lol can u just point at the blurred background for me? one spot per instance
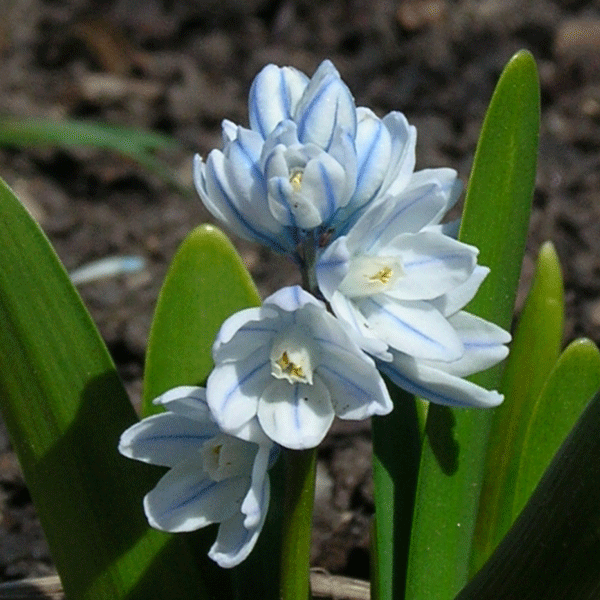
(179, 67)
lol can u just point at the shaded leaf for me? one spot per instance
(552, 551)
(65, 408)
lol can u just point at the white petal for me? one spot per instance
(384, 221)
(483, 342)
(292, 298)
(247, 182)
(373, 149)
(185, 499)
(450, 187)
(229, 131)
(235, 541)
(436, 385)
(356, 387)
(218, 197)
(332, 266)
(274, 94)
(364, 335)
(324, 187)
(343, 151)
(402, 157)
(455, 299)
(244, 332)
(253, 505)
(188, 401)
(415, 328)
(296, 416)
(325, 104)
(165, 439)
(433, 264)
(233, 389)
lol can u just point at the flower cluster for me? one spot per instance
(334, 187)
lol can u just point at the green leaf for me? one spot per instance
(396, 453)
(65, 408)
(206, 283)
(534, 352)
(135, 144)
(495, 219)
(573, 381)
(552, 551)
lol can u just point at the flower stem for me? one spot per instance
(309, 280)
(297, 524)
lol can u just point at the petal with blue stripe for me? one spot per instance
(296, 416)
(273, 97)
(186, 499)
(415, 327)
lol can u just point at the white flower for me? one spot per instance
(213, 477)
(290, 366)
(398, 279)
(310, 160)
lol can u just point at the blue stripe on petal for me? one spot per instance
(347, 381)
(255, 233)
(404, 324)
(412, 387)
(434, 259)
(362, 169)
(241, 382)
(329, 195)
(284, 95)
(257, 174)
(194, 493)
(310, 107)
(297, 408)
(385, 223)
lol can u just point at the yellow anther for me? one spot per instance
(384, 275)
(296, 180)
(217, 449)
(287, 366)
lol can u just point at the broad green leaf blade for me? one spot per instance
(495, 219)
(65, 408)
(552, 551)
(135, 144)
(206, 283)
(534, 352)
(396, 453)
(574, 379)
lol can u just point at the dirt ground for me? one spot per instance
(181, 66)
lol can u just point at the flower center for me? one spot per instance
(370, 275)
(383, 275)
(224, 456)
(291, 357)
(296, 179)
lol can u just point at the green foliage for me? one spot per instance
(206, 283)
(396, 452)
(65, 408)
(534, 351)
(495, 219)
(552, 551)
(139, 146)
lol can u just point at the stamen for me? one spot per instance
(384, 275)
(287, 366)
(296, 179)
